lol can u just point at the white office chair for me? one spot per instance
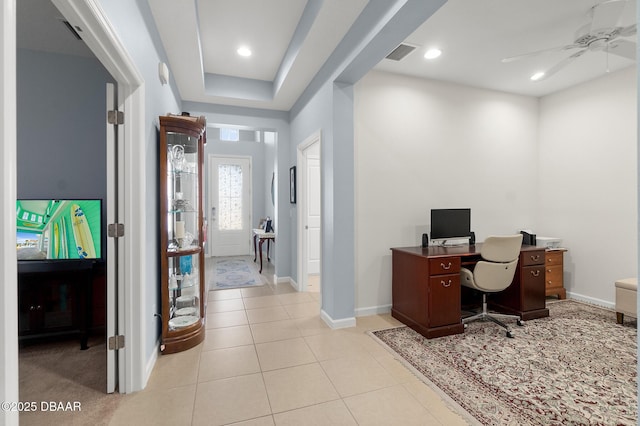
(493, 274)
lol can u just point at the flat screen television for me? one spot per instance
(58, 229)
(450, 224)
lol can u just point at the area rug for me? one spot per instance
(575, 367)
(234, 273)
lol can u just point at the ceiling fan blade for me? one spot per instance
(607, 14)
(563, 63)
(624, 48)
(628, 31)
(539, 52)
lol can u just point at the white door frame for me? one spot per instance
(8, 192)
(303, 202)
(210, 178)
(101, 38)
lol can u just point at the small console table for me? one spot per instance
(426, 288)
(259, 237)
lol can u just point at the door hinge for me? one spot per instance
(116, 342)
(115, 117)
(115, 230)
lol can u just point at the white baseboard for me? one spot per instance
(373, 310)
(592, 300)
(286, 280)
(336, 324)
(151, 362)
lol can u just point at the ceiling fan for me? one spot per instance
(601, 34)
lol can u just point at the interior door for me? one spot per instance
(229, 206)
(313, 215)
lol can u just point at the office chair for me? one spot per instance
(493, 274)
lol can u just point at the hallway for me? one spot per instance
(269, 359)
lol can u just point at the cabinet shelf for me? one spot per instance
(184, 252)
(181, 156)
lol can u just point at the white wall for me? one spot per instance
(588, 180)
(564, 166)
(423, 144)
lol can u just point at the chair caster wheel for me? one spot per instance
(509, 335)
(520, 323)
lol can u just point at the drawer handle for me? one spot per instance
(549, 270)
(535, 258)
(445, 284)
(442, 265)
(535, 273)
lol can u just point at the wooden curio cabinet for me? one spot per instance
(182, 285)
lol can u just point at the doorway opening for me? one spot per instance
(67, 297)
(310, 214)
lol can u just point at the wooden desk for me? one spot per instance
(426, 287)
(261, 236)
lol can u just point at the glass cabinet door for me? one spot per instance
(181, 232)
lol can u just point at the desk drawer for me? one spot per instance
(533, 257)
(444, 265)
(533, 287)
(444, 300)
(553, 258)
(553, 276)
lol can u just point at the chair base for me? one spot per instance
(495, 318)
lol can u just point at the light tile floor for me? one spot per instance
(268, 359)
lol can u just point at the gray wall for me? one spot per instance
(331, 111)
(133, 23)
(61, 127)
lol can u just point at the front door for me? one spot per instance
(229, 206)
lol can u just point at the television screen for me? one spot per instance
(450, 223)
(58, 229)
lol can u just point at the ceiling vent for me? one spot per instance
(400, 52)
(73, 30)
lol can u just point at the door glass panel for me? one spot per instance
(230, 197)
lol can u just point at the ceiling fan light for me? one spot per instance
(432, 53)
(537, 76)
(244, 51)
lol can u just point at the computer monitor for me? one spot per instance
(450, 224)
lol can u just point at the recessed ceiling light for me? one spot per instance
(537, 76)
(432, 53)
(244, 51)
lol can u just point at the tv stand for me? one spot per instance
(55, 298)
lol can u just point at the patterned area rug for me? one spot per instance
(234, 273)
(575, 367)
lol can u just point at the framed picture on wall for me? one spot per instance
(292, 185)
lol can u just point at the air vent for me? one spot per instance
(73, 30)
(400, 52)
